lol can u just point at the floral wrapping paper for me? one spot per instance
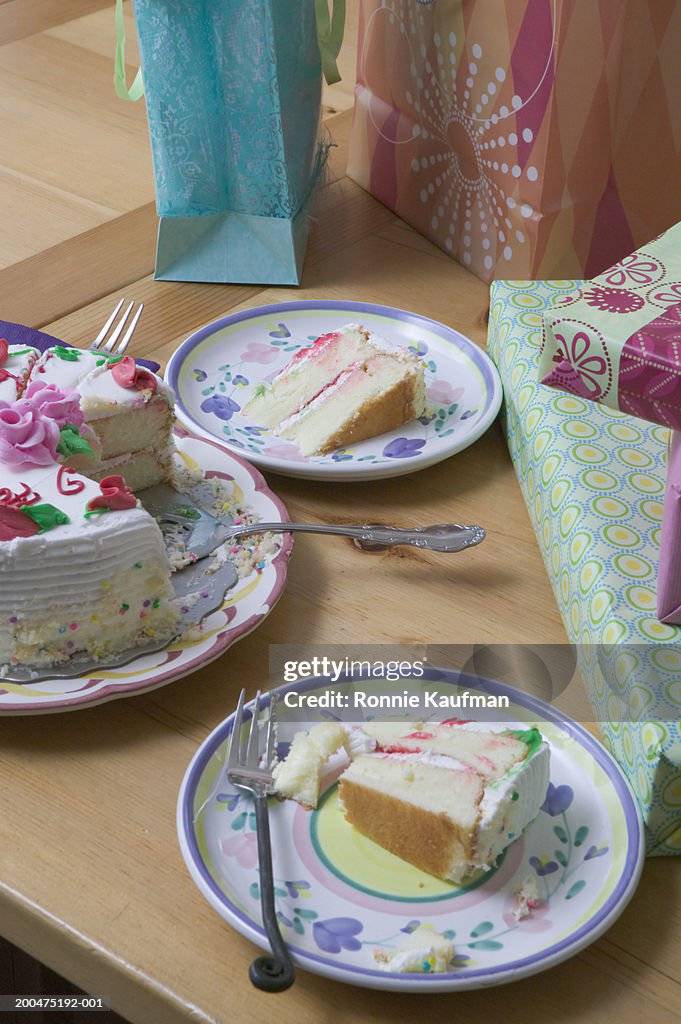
(593, 480)
(508, 134)
(617, 339)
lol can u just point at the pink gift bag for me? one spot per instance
(528, 139)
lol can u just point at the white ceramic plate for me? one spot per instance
(245, 606)
(215, 371)
(340, 897)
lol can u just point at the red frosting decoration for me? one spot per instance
(116, 495)
(69, 486)
(128, 374)
(14, 523)
(4, 351)
(25, 497)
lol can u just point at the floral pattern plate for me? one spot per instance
(244, 608)
(216, 370)
(341, 898)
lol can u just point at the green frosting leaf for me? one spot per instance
(114, 359)
(531, 737)
(70, 355)
(46, 516)
(259, 391)
(71, 443)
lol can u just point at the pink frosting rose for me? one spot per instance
(59, 404)
(26, 436)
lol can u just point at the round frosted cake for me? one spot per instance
(83, 568)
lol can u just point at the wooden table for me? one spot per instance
(91, 878)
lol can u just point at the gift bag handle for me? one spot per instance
(330, 29)
(120, 85)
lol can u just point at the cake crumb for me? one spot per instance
(527, 895)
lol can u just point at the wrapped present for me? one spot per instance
(617, 339)
(593, 480)
(508, 134)
(669, 576)
(233, 94)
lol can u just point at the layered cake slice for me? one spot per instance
(448, 797)
(348, 386)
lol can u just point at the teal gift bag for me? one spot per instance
(233, 94)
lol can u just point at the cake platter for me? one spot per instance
(341, 899)
(216, 370)
(245, 606)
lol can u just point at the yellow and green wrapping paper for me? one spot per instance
(593, 479)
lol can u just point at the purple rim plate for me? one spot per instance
(340, 898)
(245, 607)
(217, 369)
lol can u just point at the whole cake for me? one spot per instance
(347, 386)
(83, 568)
(448, 797)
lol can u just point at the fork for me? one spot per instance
(447, 537)
(247, 772)
(109, 345)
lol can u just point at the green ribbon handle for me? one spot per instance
(330, 30)
(120, 85)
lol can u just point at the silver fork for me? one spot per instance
(247, 771)
(109, 344)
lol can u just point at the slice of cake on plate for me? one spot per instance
(448, 797)
(348, 386)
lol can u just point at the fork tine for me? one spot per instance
(269, 739)
(128, 334)
(251, 760)
(235, 739)
(102, 334)
(116, 334)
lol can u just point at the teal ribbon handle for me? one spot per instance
(120, 85)
(330, 30)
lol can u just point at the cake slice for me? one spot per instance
(348, 386)
(448, 797)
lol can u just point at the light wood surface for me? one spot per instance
(91, 879)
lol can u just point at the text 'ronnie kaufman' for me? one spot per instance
(372, 701)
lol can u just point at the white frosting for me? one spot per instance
(91, 375)
(99, 583)
(20, 359)
(505, 815)
(427, 757)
